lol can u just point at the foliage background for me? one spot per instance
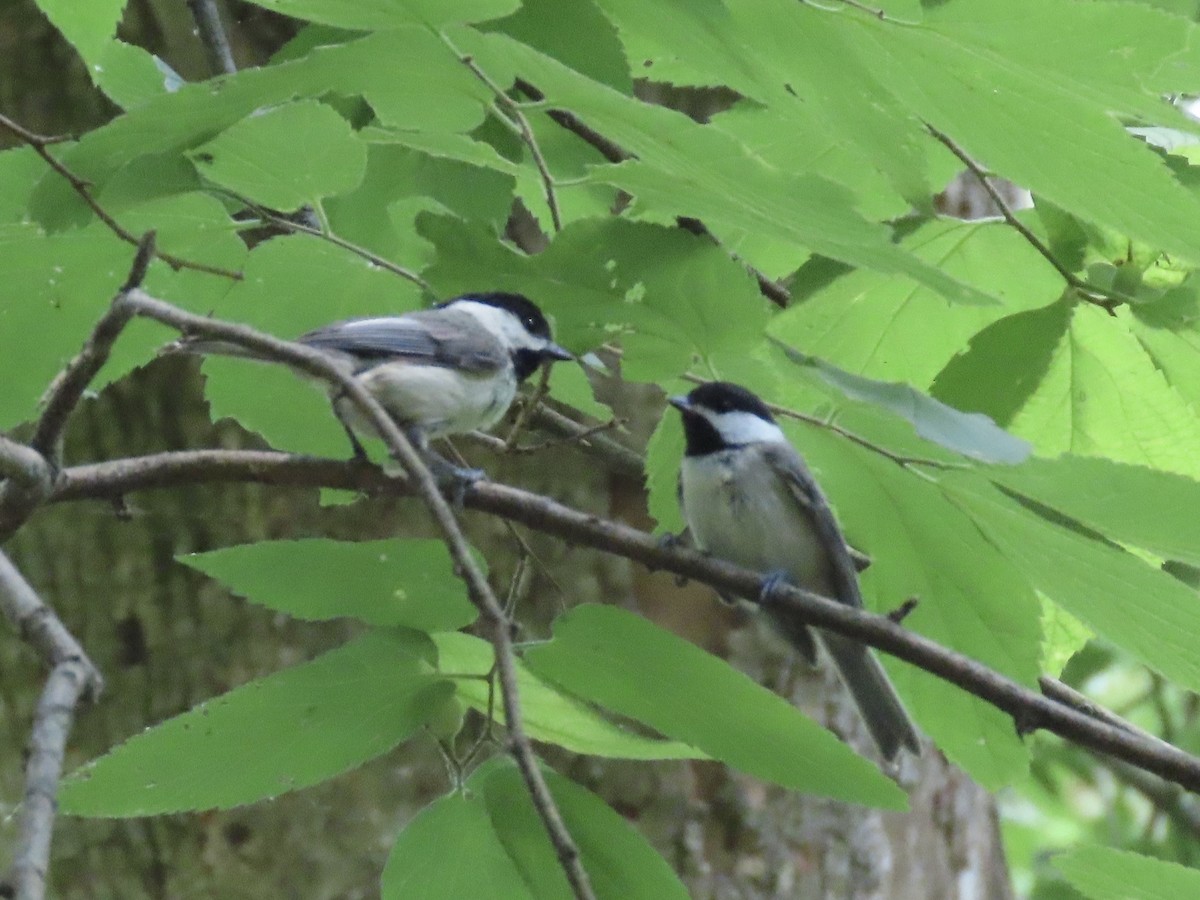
(814, 164)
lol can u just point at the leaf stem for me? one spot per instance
(1085, 291)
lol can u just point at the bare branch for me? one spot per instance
(321, 365)
(41, 143)
(23, 465)
(616, 455)
(68, 387)
(772, 290)
(72, 677)
(212, 35)
(302, 228)
(1029, 709)
(514, 115)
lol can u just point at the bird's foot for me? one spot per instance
(769, 582)
(454, 480)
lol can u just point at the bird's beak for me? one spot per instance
(681, 403)
(553, 351)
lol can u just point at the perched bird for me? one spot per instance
(437, 372)
(748, 497)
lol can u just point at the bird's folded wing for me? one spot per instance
(791, 468)
(446, 341)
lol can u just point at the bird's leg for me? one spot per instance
(360, 452)
(769, 582)
(451, 478)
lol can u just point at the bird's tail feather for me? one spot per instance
(881, 708)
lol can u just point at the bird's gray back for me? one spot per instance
(445, 338)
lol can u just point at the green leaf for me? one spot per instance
(1130, 504)
(388, 582)
(289, 412)
(899, 330)
(1102, 873)
(618, 860)
(88, 27)
(1102, 395)
(1168, 331)
(20, 168)
(632, 667)
(54, 288)
(287, 731)
(971, 434)
(1118, 596)
(131, 76)
(663, 453)
(549, 714)
(295, 283)
(555, 26)
(1005, 363)
(960, 72)
(1063, 636)
(688, 169)
(261, 158)
(456, 829)
(391, 13)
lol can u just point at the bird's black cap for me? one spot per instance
(519, 305)
(724, 397)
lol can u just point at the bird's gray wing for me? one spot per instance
(881, 708)
(787, 463)
(428, 337)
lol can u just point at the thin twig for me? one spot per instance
(1029, 708)
(1088, 292)
(616, 456)
(585, 433)
(212, 35)
(375, 259)
(770, 289)
(510, 109)
(67, 389)
(874, 12)
(609, 149)
(321, 365)
(1179, 806)
(41, 143)
(528, 405)
(72, 677)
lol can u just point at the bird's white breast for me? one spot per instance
(739, 509)
(440, 400)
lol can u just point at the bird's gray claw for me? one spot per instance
(454, 481)
(669, 541)
(770, 581)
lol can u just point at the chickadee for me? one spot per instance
(748, 497)
(437, 372)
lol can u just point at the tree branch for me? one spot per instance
(41, 143)
(212, 35)
(72, 677)
(514, 115)
(1029, 709)
(68, 387)
(324, 367)
(295, 227)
